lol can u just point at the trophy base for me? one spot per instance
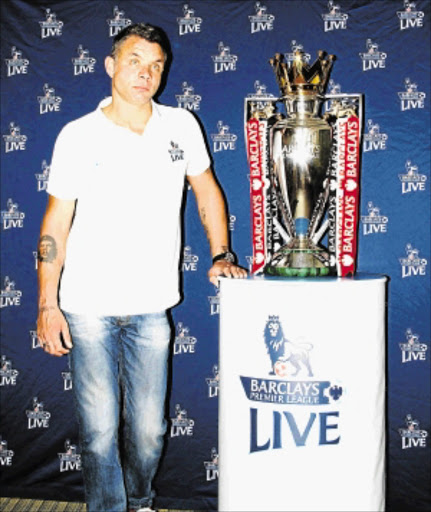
(299, 259)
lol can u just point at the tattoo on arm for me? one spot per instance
(204, 221)
(47, 250)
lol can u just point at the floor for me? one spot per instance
(26, 505)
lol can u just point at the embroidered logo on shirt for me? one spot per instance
(176, 153)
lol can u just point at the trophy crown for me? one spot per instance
(298, 76)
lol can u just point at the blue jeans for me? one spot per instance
(119, 372)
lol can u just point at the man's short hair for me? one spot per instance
(150, 33)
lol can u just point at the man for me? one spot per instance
(114, 299)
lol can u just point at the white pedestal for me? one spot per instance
(311, 435)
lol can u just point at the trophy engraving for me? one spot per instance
(304, 172)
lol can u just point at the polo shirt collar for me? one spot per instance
(106, 101)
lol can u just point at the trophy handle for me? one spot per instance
(279, 186)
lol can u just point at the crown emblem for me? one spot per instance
(298, 76)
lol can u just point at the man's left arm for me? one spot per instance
(212, 211)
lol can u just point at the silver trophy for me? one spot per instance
(304, 171)
(301, 152)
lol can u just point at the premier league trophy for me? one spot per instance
(304, 172)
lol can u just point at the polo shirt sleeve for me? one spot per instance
(198, 159)
(63, 181)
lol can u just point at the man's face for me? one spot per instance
(136, 71)
(45, 248)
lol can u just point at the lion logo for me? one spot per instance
(283, 351)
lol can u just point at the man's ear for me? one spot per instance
(109, 66)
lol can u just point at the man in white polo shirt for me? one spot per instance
(118, 174)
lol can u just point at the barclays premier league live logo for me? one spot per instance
(176, 152)
(118, 22)
(35, 342)
(223, 140)
(9, 295)
(260, 99)
(411, 98)
(214, 301)
(67, 380)
(224, 61)
(49, 102)
(412, 264)
(70, 460)
(184, 343)
(291, 383)
(297, 47)
(211, 466)
(261, 20)
(188, 99)
(181, 425)
(8, 374)
(334, 19)
(189, 23)
(373, 58)
(6, 455)
(42, 177)
(14, 140)
(51, 26)
(412, 436)
(410, 17)
(374, 139)
(190, 260)
(213, 382)
(16, 65)
(412, 180)
(12, 217)
(412, 349)
(374, 222)
(83, 63)
(37, 416)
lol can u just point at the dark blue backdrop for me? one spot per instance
(52, 71)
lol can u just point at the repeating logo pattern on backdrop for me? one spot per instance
(8, 374)
(412, 349)
(83, 63)
(412, 436)
(412, 180)
(6, 455)
(189, 23)
(411, 98)
(70, 459)
(118, 21)
(374, 139)
(49, 102)
(17, 64)
(184, 343)
(12, 217)
(225, 60)
(410, 17)
(261, 20)
(9, 295)
(211, 466)
(334, 19)
(37, 416)
(374, 221)
(188, 99)
(181, 424)
(412, 264)
(50, 26)
(14, 140)
(372, 58)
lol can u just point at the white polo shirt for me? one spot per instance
(123, 250)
